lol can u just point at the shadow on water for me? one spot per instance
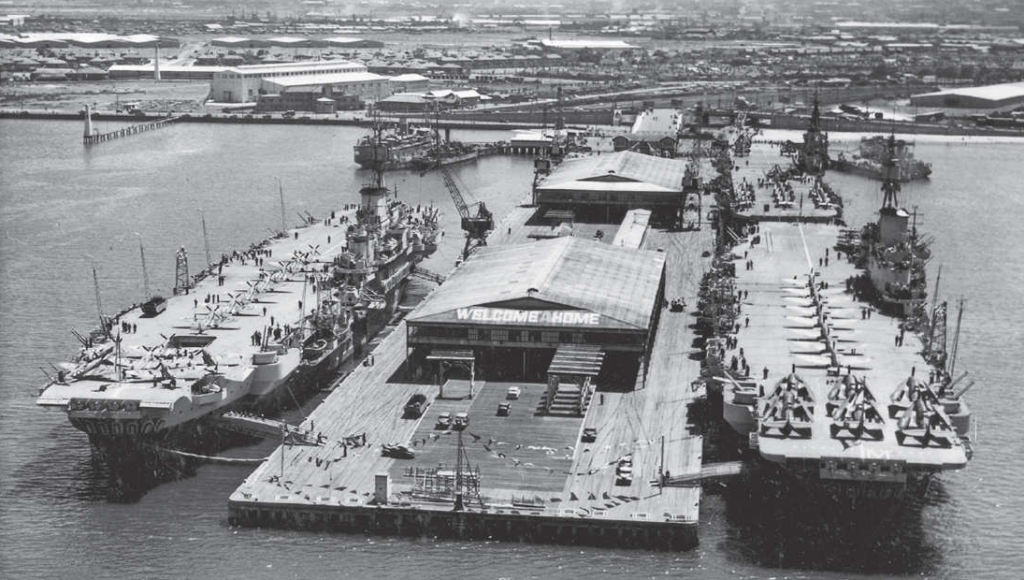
(784, 525)
(67, 469)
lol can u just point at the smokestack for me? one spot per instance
(88, 121)
(156, 63)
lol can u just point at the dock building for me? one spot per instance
(655, 129)
(244, 84)
(322, 93)
(606, 187)
(526, 310)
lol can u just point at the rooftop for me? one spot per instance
(992, 92)
(620, 285)
(296, 67)
(622, 171)
(668, 121)
(326, 79)
(409, 77)
(584, 44)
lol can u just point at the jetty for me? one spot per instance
(590, 464)
(91, 136)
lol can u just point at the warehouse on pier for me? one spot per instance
(524, 311)
(605, 187)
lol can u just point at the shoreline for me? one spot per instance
(773, 134)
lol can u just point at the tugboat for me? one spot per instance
(869, 160)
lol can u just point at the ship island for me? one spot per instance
(554, 386)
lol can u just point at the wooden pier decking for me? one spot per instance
(539, 482)
(93, 138)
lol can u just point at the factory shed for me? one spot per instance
(608, 186)
(515, 306)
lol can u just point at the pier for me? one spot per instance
(537, 478)
(91, 136)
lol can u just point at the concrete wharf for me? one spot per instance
(538, 482)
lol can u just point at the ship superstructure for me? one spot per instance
(892, 251)
(395, 148)
(875, 152)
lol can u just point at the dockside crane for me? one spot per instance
(476, 226)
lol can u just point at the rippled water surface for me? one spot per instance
(63, 207)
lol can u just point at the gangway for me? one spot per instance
(429, 275)
(709, 472)
(264, 428)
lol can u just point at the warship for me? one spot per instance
(870, 159)
(407, 147)
(808, 324)
(262, 328)
(395, 148)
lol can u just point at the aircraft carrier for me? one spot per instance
(833, 365)
(262, 328)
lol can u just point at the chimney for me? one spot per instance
(156, 63)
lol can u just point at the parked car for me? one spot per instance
(504, 409)
(416, 405)
(444, 421)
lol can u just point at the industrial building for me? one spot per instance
(409, 83)
(529, 310)
(243, 84)
(605, 187)
(657, 129)
(322, 93)
(986, 97)
(244, 42)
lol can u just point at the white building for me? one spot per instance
(409, 83)
(242, 84)
(365, 86)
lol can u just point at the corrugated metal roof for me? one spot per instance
(624, 170)
(325, 79)
(617, 283)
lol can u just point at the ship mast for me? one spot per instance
(99, 303)
(280, 192)
(206, 239)
(890, 175)
(145, 273)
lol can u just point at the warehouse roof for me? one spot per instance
(990, 92)
(604, 286)
(325, 79)
(284, 67)
(587, 44)
(622, 171)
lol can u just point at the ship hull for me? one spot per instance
(141, 455)
(876, 174)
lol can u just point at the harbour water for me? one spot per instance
(63, 206)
